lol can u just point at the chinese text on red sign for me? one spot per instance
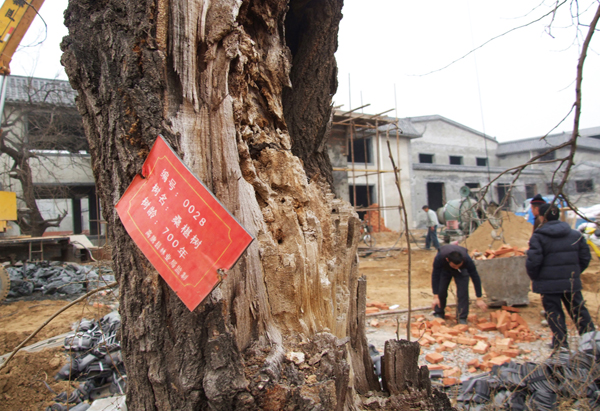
(180, 226)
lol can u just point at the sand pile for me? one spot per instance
(515, 231)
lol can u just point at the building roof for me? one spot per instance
(437, 117)
(39, 91)
(589, 140)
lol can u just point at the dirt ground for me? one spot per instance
(22, 383)
(387, 277)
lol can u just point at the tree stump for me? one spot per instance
(407, 383)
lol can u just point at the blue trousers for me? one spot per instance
(432, 238)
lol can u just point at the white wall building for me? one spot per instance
(40, 116)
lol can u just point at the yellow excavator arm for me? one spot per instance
(15, 18)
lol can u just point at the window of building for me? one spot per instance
(365, 196)
(530, 190)
(362, 149)
(472, 185)
(549, 156)
(456, 160)
(425, 158)
(481, 161)
(502, 190)
(436, 195)
(585, 186)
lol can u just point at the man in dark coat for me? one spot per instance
(453, 261)
(557, 255)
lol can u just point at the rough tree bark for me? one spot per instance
(209, 75)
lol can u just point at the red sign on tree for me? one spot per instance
(183, 230)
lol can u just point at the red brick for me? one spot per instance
(511, 309)
(504, 344)
(434, 357)
(473, 363)
(467, 341)
(378, 304)
(486, 326)
(452, 372)
(513, 334)
(480, 348)
(501, 319)
(511, 353)
(500, 360)
(448, 381)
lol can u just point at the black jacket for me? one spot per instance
(441, 267)
(557, 255)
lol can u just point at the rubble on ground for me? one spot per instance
(95, 361)
(375, 307)
(566, 377)
(56, 278)
(474, 336)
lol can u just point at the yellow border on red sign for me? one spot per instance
(207, 205)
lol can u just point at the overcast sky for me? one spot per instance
(520, 85)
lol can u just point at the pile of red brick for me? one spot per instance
(494, 351)
(504, 251)
(375, 220)
(376, 306)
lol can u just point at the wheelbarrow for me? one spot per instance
(504, 280)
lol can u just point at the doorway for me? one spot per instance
(436, 196)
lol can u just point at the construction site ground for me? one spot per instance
(386, 270)
(26, 383)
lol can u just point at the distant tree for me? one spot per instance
(37, 128)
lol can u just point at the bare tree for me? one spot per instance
(583, 34)
(39, 125)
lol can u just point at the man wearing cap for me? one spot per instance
(453, 261)
(535, 219)
(556, 257)
(432, 223)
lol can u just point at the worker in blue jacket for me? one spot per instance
(556, 258)
(453, 261)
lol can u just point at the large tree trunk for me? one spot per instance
(213, 77)
(209, 76)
